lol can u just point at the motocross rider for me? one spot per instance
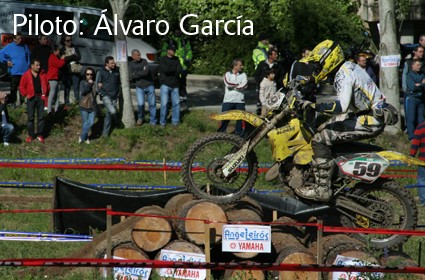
(360, 112)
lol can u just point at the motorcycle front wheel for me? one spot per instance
(202, 169)
(394, 203)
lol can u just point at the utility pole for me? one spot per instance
(390, 58)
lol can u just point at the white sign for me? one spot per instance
(390, 60)
(130, 273)
(341, 260)
(246, 238)
(121, 51)
(182, 273)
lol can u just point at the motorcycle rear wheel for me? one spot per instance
(400, 213)
(201, 169)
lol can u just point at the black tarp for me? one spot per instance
(74, 195)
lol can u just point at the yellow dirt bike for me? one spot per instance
(223, 167)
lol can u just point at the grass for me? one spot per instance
(140, 143)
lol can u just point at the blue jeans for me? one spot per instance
(165, 91)
(7, 130)
(414, 112)
(87, 121)
(74, 80)
(232, 106)
(111, 114)
(150, 92)
(421, 184)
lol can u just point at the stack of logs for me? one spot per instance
(142, 238)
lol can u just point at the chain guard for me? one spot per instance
(376, 212)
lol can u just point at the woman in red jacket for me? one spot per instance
(35, 87)
(52, 76)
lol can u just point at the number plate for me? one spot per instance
(363, 167)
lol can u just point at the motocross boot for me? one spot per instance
(321, 190)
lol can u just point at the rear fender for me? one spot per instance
(395, 156)
(236, 115)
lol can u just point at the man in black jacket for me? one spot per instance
(141, 78)
(169, 73)
(108, 87)
(270, 63)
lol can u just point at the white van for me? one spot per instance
(93, 49)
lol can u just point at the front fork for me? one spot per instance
(235, 159)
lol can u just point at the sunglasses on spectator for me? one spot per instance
(89, 74)
(69, 40)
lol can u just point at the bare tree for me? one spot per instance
(389, 47)
(119, 7)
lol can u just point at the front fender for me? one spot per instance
(236, 115)
(390, 155)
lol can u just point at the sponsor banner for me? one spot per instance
(128, 273)
(347, 261)
(390, 60)
(246, 238)
(182, 273)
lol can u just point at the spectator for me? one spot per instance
(184, 54)
(17, 56)
(418, 53)
(42, 51)
(408, 48)
(34, 86)
(418, 144)
(169, 72)
(141, 78)
(260, 52)
(87, 111)
(72, 70)
(303, 68)
(235, 82)
(414, 104)
(55, 63)
(267, 89)
(6, 128)
(363, 63)
(262, 68)
(108, 86)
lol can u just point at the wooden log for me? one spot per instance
(245, 203)
(284, 232)
(174, 204)
(200, 210)
(182, 246)
(244, 274)
(151, 233)
(129, 251)
(295, 254)
(341, 244)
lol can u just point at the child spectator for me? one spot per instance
(418, 144)
(267, 88)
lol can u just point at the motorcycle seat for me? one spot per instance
(354, 147)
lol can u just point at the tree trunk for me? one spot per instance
(119, 8)
(295, 254)
(389, 80)
(193, 228)
(151, 233)
(244, 274)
